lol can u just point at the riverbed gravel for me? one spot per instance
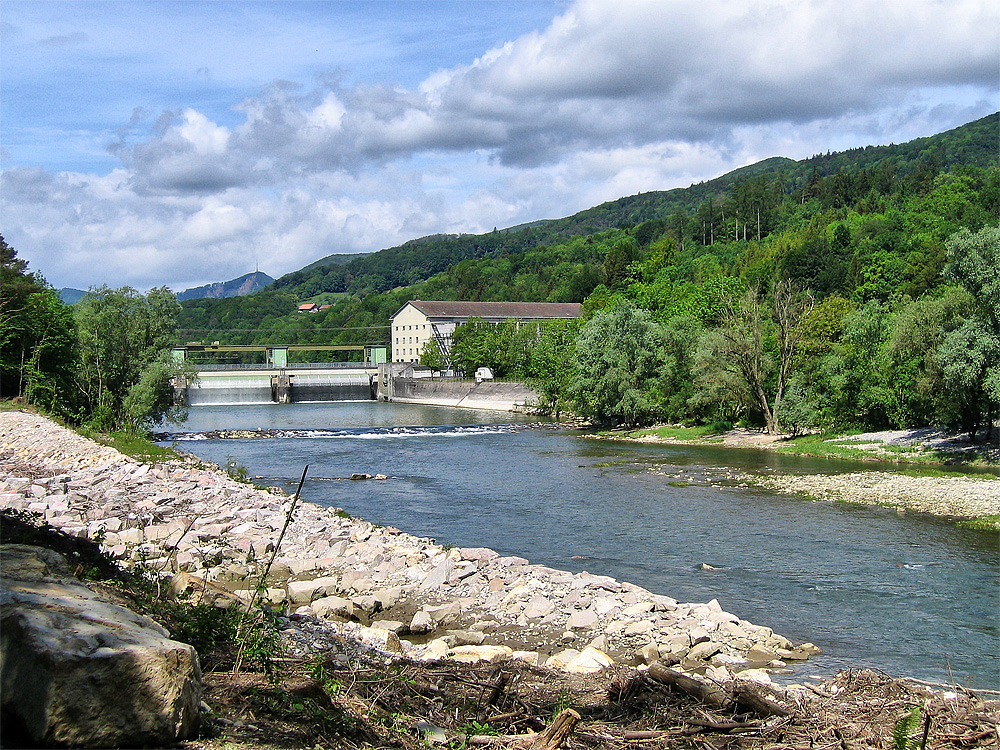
(961, 497)
(958, 497)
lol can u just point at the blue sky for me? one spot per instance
(177, 143)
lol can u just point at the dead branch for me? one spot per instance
(557, 732)
(748, 698)
(703, 692)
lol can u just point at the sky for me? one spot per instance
(150, 143)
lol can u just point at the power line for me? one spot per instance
(258, 330)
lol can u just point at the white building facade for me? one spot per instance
(419, 321)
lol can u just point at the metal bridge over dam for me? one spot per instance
(276, 380)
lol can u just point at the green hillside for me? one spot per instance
(974, 144)
(879, 265)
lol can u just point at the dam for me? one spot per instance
(277, 381)
(281, 386)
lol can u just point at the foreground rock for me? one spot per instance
(404, 595)
(80, 671)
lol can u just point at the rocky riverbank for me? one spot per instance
(401, 594)
(964, 498)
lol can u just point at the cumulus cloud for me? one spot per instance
(606, 75)
(609, 99)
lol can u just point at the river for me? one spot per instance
(908, 594)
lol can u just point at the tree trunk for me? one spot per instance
(557, 732)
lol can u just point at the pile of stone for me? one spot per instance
(399, 593)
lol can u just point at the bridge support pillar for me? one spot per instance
(282, 388)
(180, 386)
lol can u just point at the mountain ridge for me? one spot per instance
(415, 260)
(246, 284)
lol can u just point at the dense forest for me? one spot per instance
(695, 211)
(104, 362)
(855, 289)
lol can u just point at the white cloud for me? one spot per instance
(609, 99)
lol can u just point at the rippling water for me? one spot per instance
(909, 594)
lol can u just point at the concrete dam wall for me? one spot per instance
(464, 393)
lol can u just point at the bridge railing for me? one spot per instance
(207, 367)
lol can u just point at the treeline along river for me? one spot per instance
(909, 594)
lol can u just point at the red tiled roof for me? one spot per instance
(519, 310)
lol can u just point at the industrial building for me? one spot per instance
(418, 321)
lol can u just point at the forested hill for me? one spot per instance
(857, 171)
(246, 284)
(880, 262)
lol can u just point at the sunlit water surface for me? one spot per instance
(909, 594)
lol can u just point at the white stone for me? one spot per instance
(640, 627)
(84, 672)
(561, 659)
(529, 657)
(422, 622)
(589, 661)
(702, 651)
(435, 650)
(581, 619)
(335, 606)
(759, 676)
(472, 654)
(538, 606)
(638, 609)
(382, 639)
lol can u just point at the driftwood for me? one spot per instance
(743, 695)
(557, 732)
(499, 687)
(551, 738)
(752, 701)
(710, 695)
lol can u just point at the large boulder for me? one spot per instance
(78, 670)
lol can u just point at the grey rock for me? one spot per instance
(81, 671)
(466, 637)
(703, 651)
(581, 619)
(422, 622)
(439, 575)
(303, 592)
(538, 606)
(333, 606)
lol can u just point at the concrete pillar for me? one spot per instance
(282, 388)
(180, 386)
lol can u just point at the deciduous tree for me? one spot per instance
(970, 355)
(37, 339)
(618, 361)
(746, 327)
(123, 337)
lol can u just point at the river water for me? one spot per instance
(908, 594)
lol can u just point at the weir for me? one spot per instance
(270, 385)
(275, 381)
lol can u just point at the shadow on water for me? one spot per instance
(907, 594)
